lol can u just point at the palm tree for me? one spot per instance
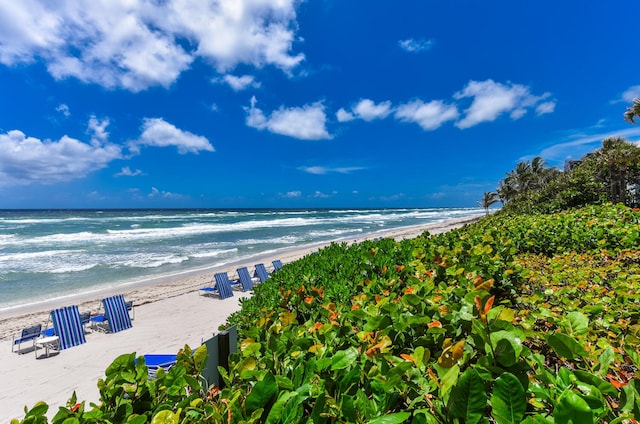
(488, 198)
(619, 166)
(633, 111)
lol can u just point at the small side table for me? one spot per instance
(48, 343)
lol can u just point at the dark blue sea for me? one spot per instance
(49, 254)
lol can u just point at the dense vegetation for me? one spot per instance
(516, 318)
(610, 174)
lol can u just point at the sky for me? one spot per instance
(302, 104)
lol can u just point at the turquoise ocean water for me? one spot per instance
(46, 254)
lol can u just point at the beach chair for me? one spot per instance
(261, 272)
(29, 334)
(116, 316)
(130, 310)
(67, 327)
(245, 279)
(277, 264)
(156, 361)
(85, 318)
(223, 285)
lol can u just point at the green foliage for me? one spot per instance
(531, 319)
(608, 174)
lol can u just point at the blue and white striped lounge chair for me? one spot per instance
(223, 285)
(116, 315)
(154, 361)
(115, 308)
(261, 272)
(245, 279)
(277, 264)
(67, 326)
(29, 334)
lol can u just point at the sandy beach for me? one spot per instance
(168, 315)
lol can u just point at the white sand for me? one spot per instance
(167, 316)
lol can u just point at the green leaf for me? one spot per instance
(468, 397)
(606, 358)
(165, 417)
(344, 358)
(572, 409)
(506, 347)
(508, 400)
(263, 391)
(275, 414)
(566, 346)
(397, 418)
(576, 324)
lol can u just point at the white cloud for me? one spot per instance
(413, 46)
(367, 110)
(344, 116)
(321, 195)
(159, 133)
(305, 123)
(155, 193)
(322, 170)
(136, 44)
(546, 107)
(631, 93)
(292, 194)
(429, 116)
(98, 129)
(492, 99)
(25, 160)
(63, 109)
(240, 83)
(127, 172)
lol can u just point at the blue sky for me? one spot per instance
(283, 103)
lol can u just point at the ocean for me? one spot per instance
(50, 254)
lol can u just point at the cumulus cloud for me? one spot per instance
(344, 116)
(414, 46)
(305, 123)
(159, 133)
(322, 170)
(240, 83)
(367, 110)
(25, 160)
(492, 99)
(138, 44)
(429, 116)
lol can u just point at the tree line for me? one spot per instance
(608, 174)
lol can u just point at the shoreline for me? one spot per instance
(168, 315)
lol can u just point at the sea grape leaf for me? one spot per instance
(566, 346)
(571, 408)
(397, 418)
(506, 347)
(468, 397)
(261, 393)
(575, 323)
(275, 414)
(165, 417)
(508, 400)
(343, 358)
